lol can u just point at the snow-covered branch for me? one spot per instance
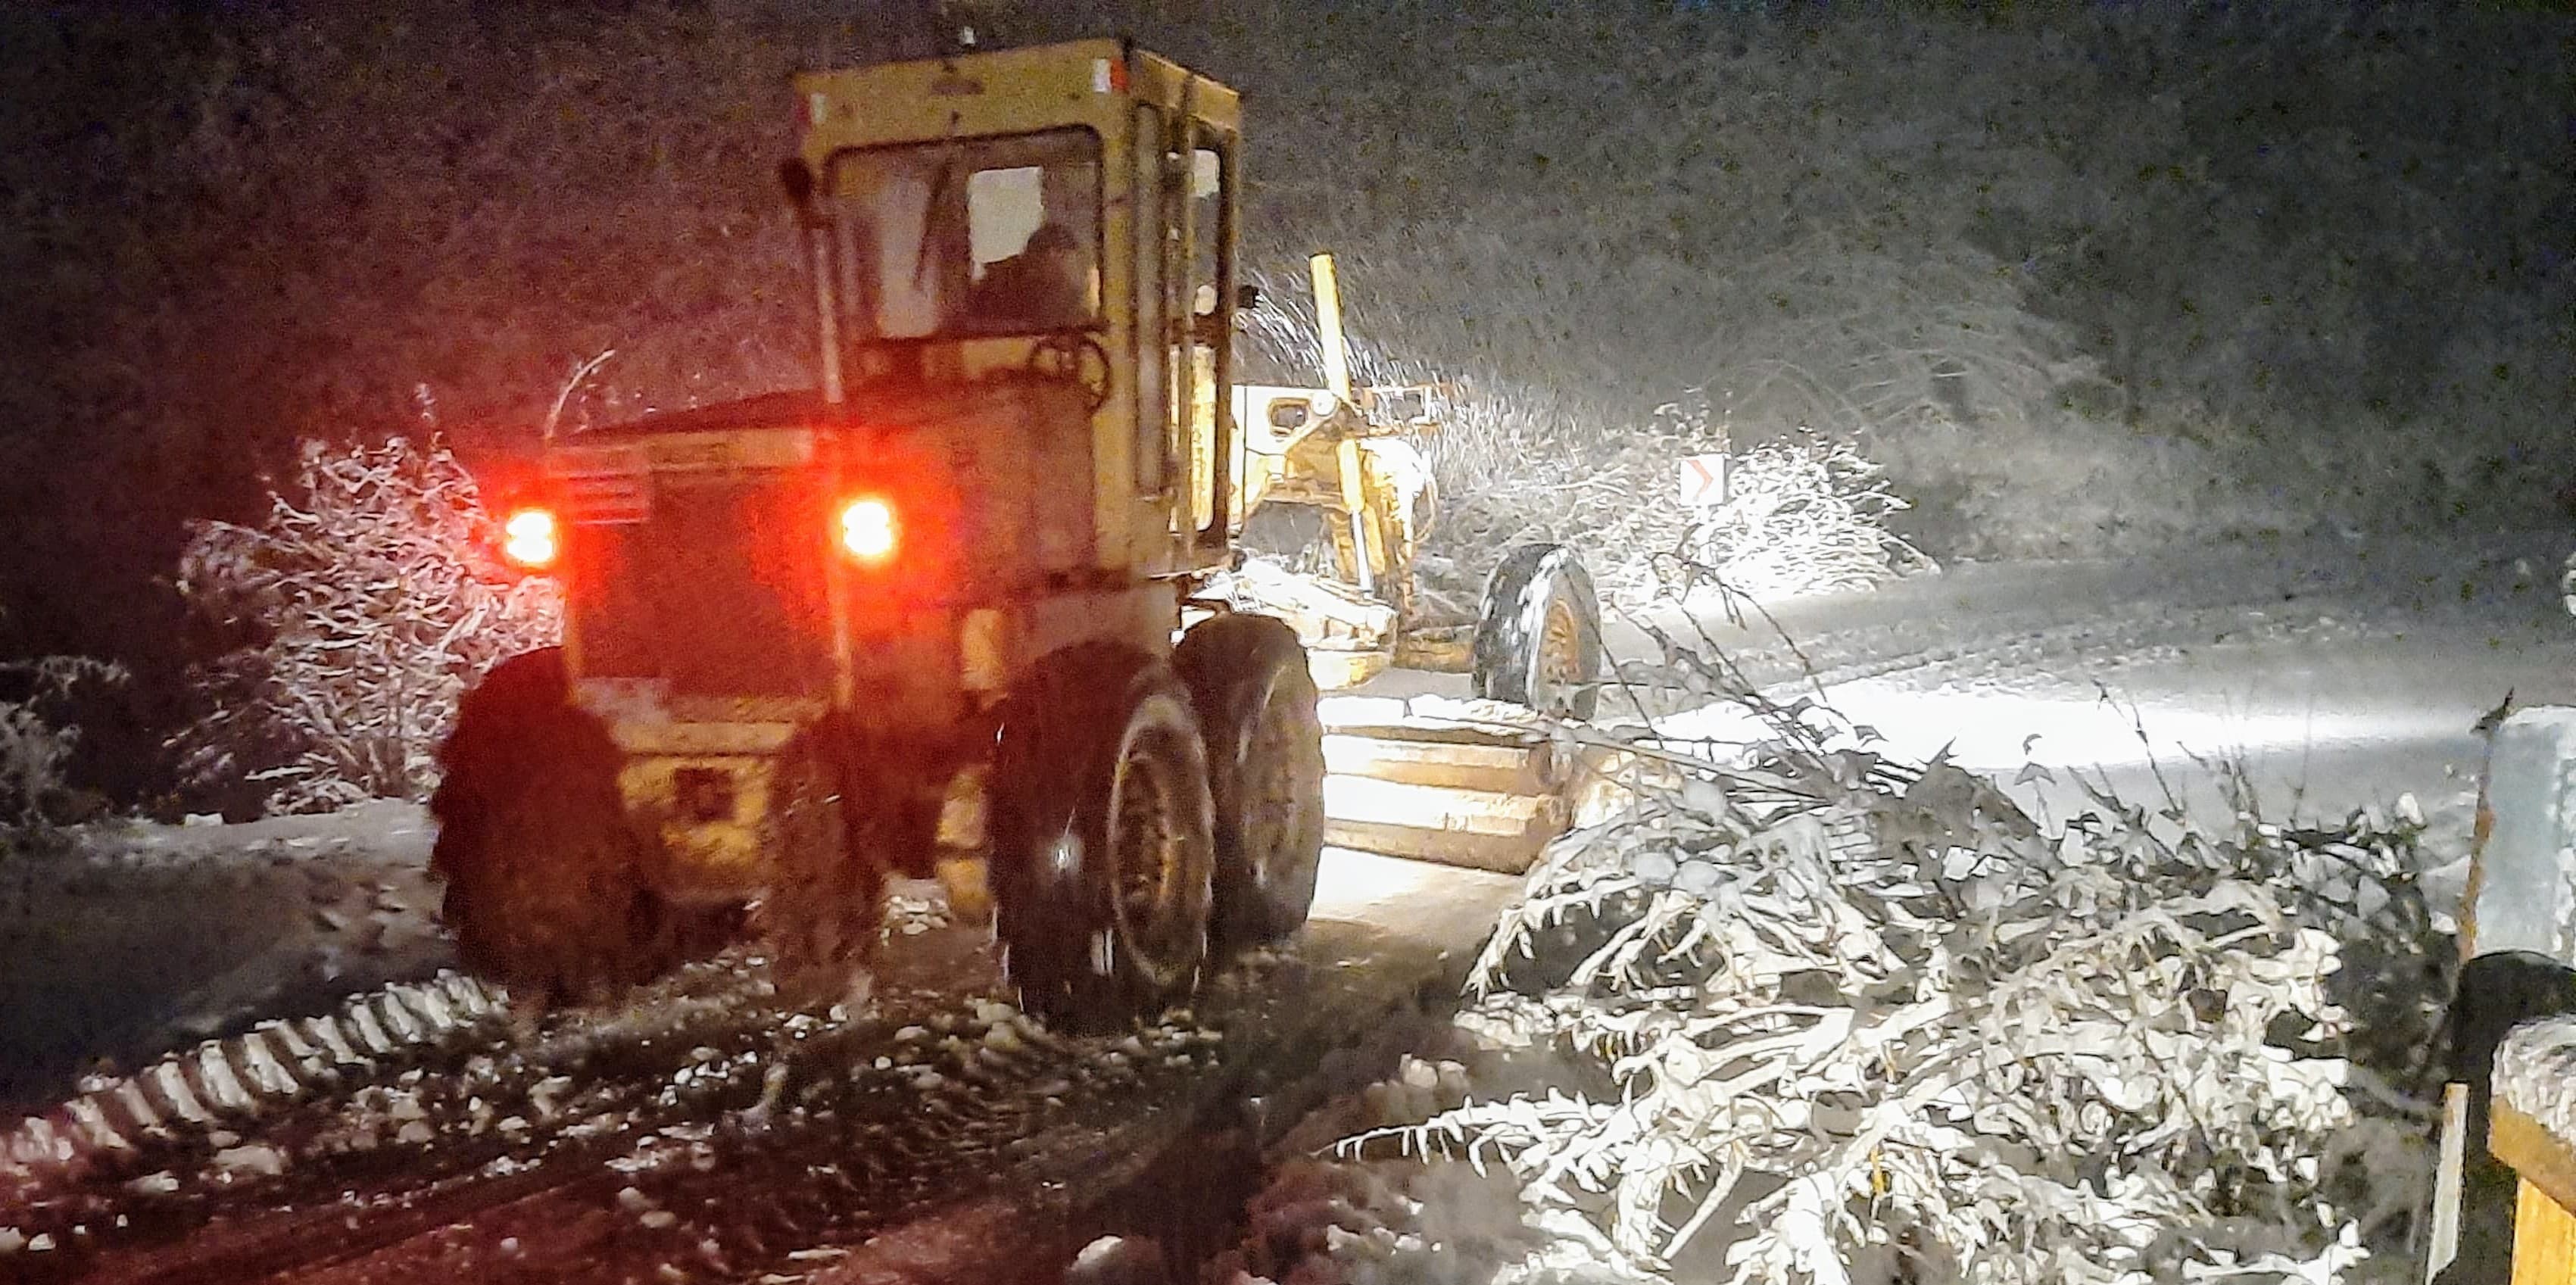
(1803, 513)
(1852, 1010)
(372, 599)
(35, 747)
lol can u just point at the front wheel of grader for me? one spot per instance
(1538, 633)
(546, 889)
(1103, 849)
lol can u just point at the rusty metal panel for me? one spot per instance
(2522, 893)
(718, 591)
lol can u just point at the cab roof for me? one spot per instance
(1093, 83)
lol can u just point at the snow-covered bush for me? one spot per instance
(1805, 510)
(1834, 1017)
(34, 746)
(2073, 485)
(1801, 514)
(371, 598)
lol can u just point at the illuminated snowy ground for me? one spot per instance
(2338, 684)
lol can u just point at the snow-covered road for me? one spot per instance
(2338, 677)
(2339, 674)
(2320, 727)
(701, 1130)
(2335, 683)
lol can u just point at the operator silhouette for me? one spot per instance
(1040, 288)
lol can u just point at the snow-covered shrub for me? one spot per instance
(1807, 510)
(371, 598)
(1322, 1219)
(34, 746)
(1837, 1017)
(1801, 514)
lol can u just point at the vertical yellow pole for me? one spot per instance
(1337, 377)
(1328, 320)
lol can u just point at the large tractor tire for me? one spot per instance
(1538, 633)
(822, 917)
(1255, 698)
(1103, 850)
(546, 884)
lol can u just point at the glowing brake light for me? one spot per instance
(868, 529)
(528, 539)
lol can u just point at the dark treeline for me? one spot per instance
(2317, 249)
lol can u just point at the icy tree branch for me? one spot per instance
(1860, 1010)
(373, 598)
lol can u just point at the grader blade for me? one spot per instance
(1452, 787)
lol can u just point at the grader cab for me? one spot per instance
(935, 606)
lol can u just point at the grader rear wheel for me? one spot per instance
(1255, 697)
(546, 888)
(1103, 850)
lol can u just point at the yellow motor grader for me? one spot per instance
(979, 594)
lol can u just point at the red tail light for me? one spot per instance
(529, 540)
(868, 529)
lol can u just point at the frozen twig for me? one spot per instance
(1880, 998)
(369, 598)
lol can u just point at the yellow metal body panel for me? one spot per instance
(1006, 91)
(2544, 1231)
(2544, 1239)
(719, 859)
(1331, 460)
(1098, 85)
(685, 737)
(1340, 670)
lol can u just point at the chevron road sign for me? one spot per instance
(1703, 480)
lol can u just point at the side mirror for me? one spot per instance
(1247, 297)
(797, 179)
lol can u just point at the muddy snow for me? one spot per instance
(121, 940)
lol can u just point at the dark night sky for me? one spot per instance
(2317, 249)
